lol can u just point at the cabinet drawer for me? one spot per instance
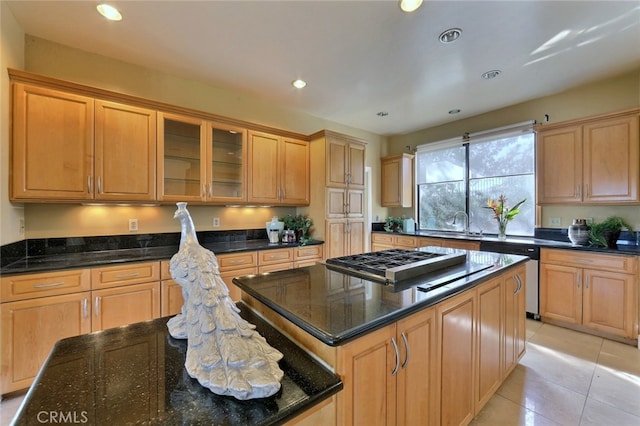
(308, 252)
(20, 287)
(275, 267)
(269, 257)
(607, 262)
(245, 259)
(130, 273)
(404, 241)
(382, 238)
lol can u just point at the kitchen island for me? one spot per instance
(136, 375)
(406, 354)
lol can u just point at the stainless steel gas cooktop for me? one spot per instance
(395, 265)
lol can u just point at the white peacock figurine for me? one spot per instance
(224, 352)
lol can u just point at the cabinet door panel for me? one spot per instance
(30, 328)
(561, 293)
(456, 355)
(415, 397)
(263, 168)
(52, 146)
(118, 306)
(294, 172)
(171, 299)
(355, 235)
(180, 158)
(611, 160)
(490, 323)
(356, 165)
(227, 168)
(609, 302)
(125, 152)
(559, 165)
(337, 167)
(335, 235)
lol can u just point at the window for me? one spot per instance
(454, 176)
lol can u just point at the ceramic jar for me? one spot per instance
(579, 232)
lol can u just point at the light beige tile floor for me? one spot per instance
(565, 378)
(568, 378)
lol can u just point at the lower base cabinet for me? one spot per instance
(387, 374)
(114, 307)
(30, 328)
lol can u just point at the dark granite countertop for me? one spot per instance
(136, 375)
(51, 262)
(549, 239)
(336, 307)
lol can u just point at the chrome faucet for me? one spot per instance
(466, 216)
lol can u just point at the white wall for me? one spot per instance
(11, 56)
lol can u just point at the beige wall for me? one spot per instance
(54, 60)
(603, 96)
(11, 55)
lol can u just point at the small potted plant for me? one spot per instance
(301, 225)
(393, 224)
(607, 232)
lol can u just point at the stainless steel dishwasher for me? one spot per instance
(532, 295)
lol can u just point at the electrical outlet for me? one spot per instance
(133, 225)
(588, 220)
(21, 226)
(216, 222)
(555, 221)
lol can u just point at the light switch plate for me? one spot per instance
(555, 221)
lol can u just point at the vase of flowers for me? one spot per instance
(503, 214)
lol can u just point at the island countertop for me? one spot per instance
(136, 375)
(336, 307)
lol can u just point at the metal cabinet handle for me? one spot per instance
(406, 347)
(519, 282)
(48, 285)
(579, 191)
(210, 186)
(578, 280)
(88, 184)
(395, 348)
(96, 306)
(131, 275)
(586, 281)
(85, 311)
(203, 193)
(99, 185)
(586, 190)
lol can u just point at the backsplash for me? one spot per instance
(48, 246)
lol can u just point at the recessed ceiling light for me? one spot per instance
(410, 5)
(491, 74)
(299, 84)
(450, 35)
(109, 12)
(454, 111)
(382, 114)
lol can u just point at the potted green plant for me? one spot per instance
(607, 232)
(301, 225)
(393, 224)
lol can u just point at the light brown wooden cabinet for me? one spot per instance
(345, 162)
(344, 237)
(69, 147)
(591, 161)
(387, 374)
(36, 311)
(515, 332)
(52, 145)
(200, 161)
(278, 170)
(595, 292)
(397, 180)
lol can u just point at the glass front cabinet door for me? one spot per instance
(200, 161)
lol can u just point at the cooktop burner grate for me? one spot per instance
(396, 264)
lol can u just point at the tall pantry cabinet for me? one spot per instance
(337, 191)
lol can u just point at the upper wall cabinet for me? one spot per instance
(52, 150)
(200, 161)
(278, 170)
(345, 163)
(591, 161)
(397, 180)
(125, 159)
(68, 147)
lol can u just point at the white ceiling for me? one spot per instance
(360, 57)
